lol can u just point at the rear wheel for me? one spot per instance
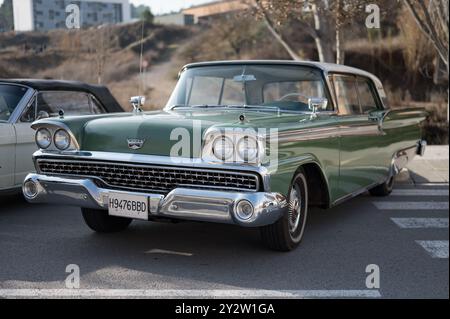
(383, 189)
(99, 221)
(287, 232)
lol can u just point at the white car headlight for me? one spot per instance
(62, 139)
(43, 138)
(247, 149)
(223, 148)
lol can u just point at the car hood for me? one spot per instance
(161, 130)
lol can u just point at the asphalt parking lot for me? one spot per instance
(405, 235)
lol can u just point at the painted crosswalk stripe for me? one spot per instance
(187, 293)
(411, 205)
(434, 184)
(436, 248)
(421, 222)
(419, 192)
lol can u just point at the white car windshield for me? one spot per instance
(278, 86)
(10, 96)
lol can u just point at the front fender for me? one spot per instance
(281, 173)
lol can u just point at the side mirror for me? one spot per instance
(42, 115)
(317, 104)
(137, 102)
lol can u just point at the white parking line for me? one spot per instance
(168, 252)
(419, 192)
(411, 205)
(187, 293)
(436, 248)
(421, 222)
(433, 184)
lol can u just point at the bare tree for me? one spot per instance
(101, 52)
(307, 14)
(323, 20)
(432, 18)
(270, 25)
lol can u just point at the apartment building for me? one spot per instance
(44, 15)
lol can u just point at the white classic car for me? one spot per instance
(24, 101)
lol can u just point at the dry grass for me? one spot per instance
(109, 55)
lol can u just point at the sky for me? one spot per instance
(165, 6)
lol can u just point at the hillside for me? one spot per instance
(108, 55)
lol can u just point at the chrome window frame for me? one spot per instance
(23, 103)
(32, 101)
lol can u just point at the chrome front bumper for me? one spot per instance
(180, 203)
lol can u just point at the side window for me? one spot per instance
(72, 103)
(297, 91)
(346, 94)
(30, 113)
(48, 104)
(366, 97)
(97, 107)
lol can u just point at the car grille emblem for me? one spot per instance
(135, 144)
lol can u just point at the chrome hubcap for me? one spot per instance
(295, 210)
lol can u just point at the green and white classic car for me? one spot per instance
(251, 143)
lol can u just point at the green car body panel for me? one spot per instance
(341, 154)
(367, 156)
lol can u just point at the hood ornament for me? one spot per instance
(137, 102)
(135, 143)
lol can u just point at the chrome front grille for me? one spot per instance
(153, 178)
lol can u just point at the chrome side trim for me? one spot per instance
(337, 130)
(421, 147)
(354, 193)
(308, 134)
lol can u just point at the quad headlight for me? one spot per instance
(239, 147)
(51, 137)
(223, 148)
(61, 139)
(247, 148)
(43, 138)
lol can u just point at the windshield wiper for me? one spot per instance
(177, 106)
(207, 105)
(196, 106)
(274, 108)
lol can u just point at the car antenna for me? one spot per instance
(138, 101)
(141, 58)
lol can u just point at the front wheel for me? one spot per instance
(99, 221)
(287, 232)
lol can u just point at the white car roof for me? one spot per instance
(325, 67)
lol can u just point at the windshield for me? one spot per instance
(278, 86)
(10, 96)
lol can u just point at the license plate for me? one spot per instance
(126, 205)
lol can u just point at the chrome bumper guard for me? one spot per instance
(180, 203)
(421, 146)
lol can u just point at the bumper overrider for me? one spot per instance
(181, 203)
